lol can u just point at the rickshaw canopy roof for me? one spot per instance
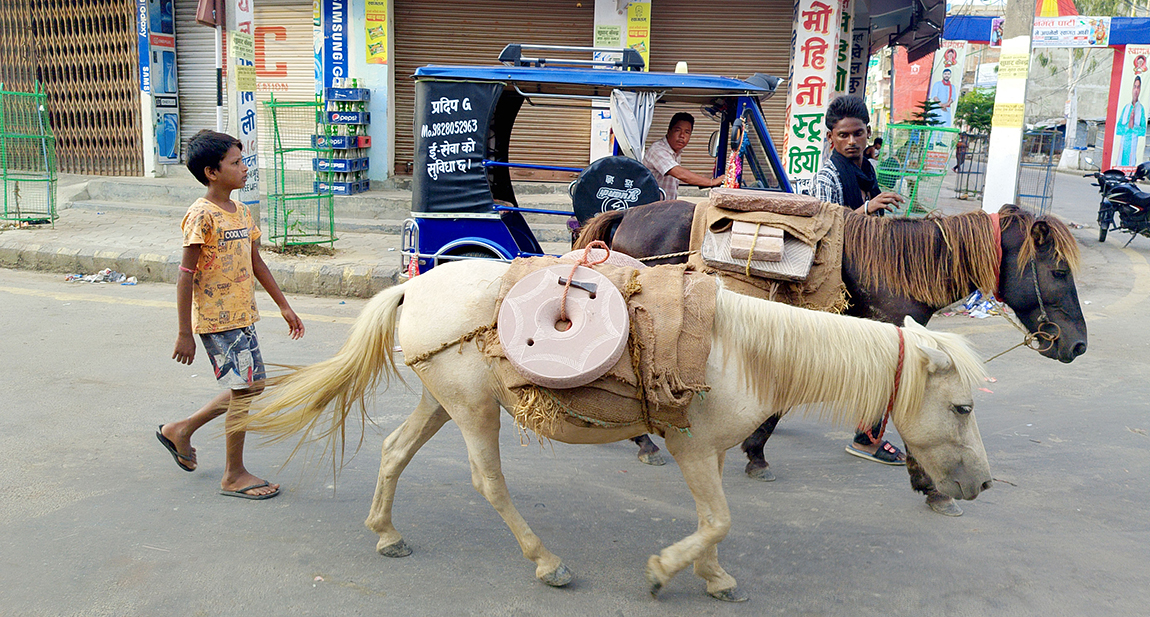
(677, 87)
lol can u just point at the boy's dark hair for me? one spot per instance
(682, 116)
(846, 107)
(206, 149)
(877, 141)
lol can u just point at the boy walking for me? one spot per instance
(215, 298)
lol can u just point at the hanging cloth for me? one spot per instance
(631, 115)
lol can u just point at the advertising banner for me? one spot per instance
(1071, 31)
(814, 54)
(639, 30)
(860, 51)
(335, 44)
(946, 79)
(159, 87)
(375, 31)
(911, 84)
(843, 73)
(241, 78)
(1129, 111)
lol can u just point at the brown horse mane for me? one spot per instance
(939, 258)
(596, 229)
(1065, 246)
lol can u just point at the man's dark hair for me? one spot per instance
(206, 149)
(846, 107)
(682, 116)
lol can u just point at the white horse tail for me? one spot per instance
(296, 402)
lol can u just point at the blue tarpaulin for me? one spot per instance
(1123, 30)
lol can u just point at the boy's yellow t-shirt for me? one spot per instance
(223, 287)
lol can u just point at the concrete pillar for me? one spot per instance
(1005, 148)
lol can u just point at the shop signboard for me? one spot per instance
(814, 53)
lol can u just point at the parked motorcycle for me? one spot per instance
(1121, 196)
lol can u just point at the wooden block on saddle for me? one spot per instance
(761, 242)
(748, 200)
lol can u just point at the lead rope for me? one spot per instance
(893, 393)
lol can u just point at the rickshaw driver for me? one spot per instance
(664, 158)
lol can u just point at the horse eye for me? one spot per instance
(1059, 274)
(962, 410)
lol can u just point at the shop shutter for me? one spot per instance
(285, 65)
(196, 71)
(735, 38)
(455, 32)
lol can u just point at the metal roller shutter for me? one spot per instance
(284, 63)
(196, 71)
(735, 38)
(464, 32)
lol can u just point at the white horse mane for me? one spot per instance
(790, 356)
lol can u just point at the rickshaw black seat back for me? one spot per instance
(613, 183)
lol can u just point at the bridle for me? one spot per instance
(1040, 341)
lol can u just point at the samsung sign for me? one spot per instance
(144, 48)
(335, 27)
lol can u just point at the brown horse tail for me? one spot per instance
(601, 228)
(296, 402)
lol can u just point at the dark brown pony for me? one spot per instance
(894, 268)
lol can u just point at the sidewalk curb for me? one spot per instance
(299, 277)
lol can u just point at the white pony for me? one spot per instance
(765, 357)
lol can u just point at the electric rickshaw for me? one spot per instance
(463, 202)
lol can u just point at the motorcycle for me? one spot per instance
(1121, 196)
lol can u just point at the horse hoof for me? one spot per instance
(652, 458)
(558, 577)
(944, 505)
(728, 595)
(398, 549)
(653, 578)
(762, 474)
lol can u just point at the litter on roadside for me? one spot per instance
(107, 275)
(980, 307)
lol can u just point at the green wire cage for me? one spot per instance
(915, 161)
(301, 209)
(27, 158)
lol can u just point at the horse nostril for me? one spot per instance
(1079, 349)
(986, 485)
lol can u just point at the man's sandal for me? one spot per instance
(887, 454)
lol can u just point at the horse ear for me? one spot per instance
(936, 360)
(909, 323)
(1040, 232)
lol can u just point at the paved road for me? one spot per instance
(95, 519)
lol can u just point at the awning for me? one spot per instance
(914, 24)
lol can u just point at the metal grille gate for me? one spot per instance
(83, 54)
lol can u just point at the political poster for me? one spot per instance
(1129, 111)
(946, 80)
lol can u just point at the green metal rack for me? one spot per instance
(918, 160)
(301, 210)
(27, 158)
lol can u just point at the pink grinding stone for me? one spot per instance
(577, 356)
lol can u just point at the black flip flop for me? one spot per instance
(180, 458)
(242, 493)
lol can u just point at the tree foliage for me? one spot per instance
(926, 114)
(976, 108)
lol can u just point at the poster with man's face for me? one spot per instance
(1129, 111)
(946, 80)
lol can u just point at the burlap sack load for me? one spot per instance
(671, 309)
(822, 289)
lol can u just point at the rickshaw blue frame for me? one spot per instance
(486, 221)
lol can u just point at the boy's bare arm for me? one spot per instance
(185, 341)
(264, 276)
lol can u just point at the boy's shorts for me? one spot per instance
(235, 356)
